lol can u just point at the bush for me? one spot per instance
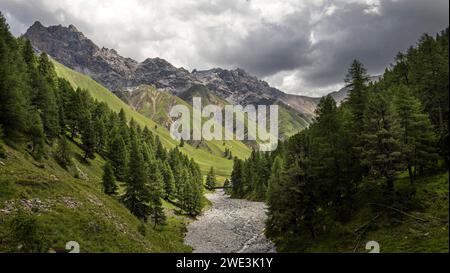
(26, 234)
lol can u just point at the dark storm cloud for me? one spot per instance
(374, 38)
(372, 34)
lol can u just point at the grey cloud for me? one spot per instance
(372, 38)
(27, 12)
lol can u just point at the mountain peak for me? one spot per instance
(73, 28)
(37, 25)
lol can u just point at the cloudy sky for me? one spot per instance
(299, 46)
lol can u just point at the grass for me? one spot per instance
(73, 209)
(205, 157)
(424, 227)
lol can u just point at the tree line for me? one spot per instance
(43, 112)
(398, 125)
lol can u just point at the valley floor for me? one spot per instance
(230, 225)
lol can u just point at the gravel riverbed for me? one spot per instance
(230, 226)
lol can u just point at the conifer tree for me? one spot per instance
(63, 153)
(237, 178)
(88, 140)
(381, 146)
(108, 179)
(137, 194)
(13, 100)
(118, 155)
(46, 99)
(356, 81)
(37, 136)
(418, 141)
(156, 192)
(169, 181)
(211, 180)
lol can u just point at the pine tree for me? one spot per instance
(88, 140)
(418, 140)
(137, 194)
(331, 158)
(37, 136)
(381, 146)
(182, 142)
(156, 192)
(63, 153)
(161, 153)
(169, 181)
(356, 81)
(13, 99)
(123, 127)
(211, 180)
(108, 179)
(274, 194)
(118, 155)
(46, 101)
(227, 186)
(237, 178)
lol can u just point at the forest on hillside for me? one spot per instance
(41, 113)
(358, 154)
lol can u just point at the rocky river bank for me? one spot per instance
(230, 225)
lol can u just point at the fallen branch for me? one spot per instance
(399, 211)
(366, 224)
(364, 229)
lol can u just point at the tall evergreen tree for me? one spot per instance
(63, 153)
(418, 140)
(108, 179)
(137, 194)
(356, 81)
(211, 180)
(36, 133)
(237, 178)
(118, 155)
(382, 148)
(88, 140)
(46, 100)
(13, 102)
(156, 192)
(169, 180)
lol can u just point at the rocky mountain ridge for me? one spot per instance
(72, 48)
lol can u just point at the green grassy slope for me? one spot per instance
(290, 122)
(70, 206)
(204, 157)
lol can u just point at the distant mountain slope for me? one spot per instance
(152, 103)
(206, 157)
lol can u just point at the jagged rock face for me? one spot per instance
(70, 47)
(237, 86)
